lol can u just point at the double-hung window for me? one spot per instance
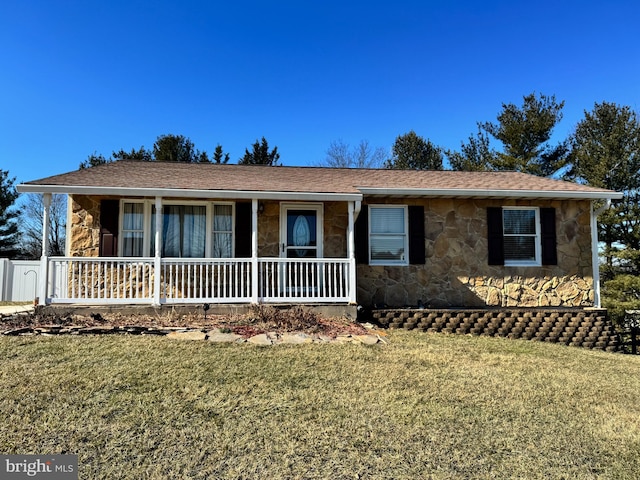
(521, 236)
(133, 229)
(388, 239)
(521, 230)
(222, 233)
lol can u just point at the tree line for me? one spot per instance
(178, 148)
(603, 150)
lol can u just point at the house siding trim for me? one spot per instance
(190, 194)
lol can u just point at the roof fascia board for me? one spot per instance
(186, 193)
(562, 194)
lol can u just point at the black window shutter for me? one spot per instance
(495, 238)
(243, 230)
(548, 236)
(361, 234)
(109, 223)
(416, 235)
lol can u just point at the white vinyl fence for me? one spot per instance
(18, 280)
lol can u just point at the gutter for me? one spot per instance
(484, 193)
(188, 193)
(595, 260)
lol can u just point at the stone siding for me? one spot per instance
(85, 226)
(457, 273)
(575, 327)
(335, 216)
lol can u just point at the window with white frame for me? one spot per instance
(190, 230)
(133, 229)
(388, 239)
(521, 231)
(222, 241)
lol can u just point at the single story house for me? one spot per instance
(173, 233)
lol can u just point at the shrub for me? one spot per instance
(284, 319)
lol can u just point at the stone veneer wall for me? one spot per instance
(335, 216)
(85, 226)
(457, 274)
(576, 327)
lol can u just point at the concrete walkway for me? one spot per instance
(6, 310)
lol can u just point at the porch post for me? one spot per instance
(254, 250)
(354, 209)
(157, 264)
(44, 260)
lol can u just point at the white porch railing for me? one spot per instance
(210, 280)
(100, 280)
(111, 280)
(297, 281)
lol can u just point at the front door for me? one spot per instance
(301, 243)
(301, 231)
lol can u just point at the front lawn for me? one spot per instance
(421, 406)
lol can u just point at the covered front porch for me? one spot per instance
(301, 274)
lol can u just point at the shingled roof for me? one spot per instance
(254, 181)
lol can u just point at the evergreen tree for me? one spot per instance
(94, 160)
(219, 156)
(142, 154)
(620, 294)
(412, 152)
(260, 155)
(8, 215)
(605, 153)
(474, 156)
(524, 132)
(167, 148)
(177, 148)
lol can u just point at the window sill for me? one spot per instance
(388, 264)
(522, 264)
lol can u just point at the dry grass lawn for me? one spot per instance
(422, 406)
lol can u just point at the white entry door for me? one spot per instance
(300, 276)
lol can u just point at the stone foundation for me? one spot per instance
(588, 328)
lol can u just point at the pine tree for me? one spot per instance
(413, 152)
(260, 155)
(8, 216)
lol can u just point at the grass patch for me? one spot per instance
(423, 406)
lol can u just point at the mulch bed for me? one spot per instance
(246, 325)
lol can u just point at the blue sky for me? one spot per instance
(80, 77)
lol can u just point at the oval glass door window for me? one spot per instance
(301, 234)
